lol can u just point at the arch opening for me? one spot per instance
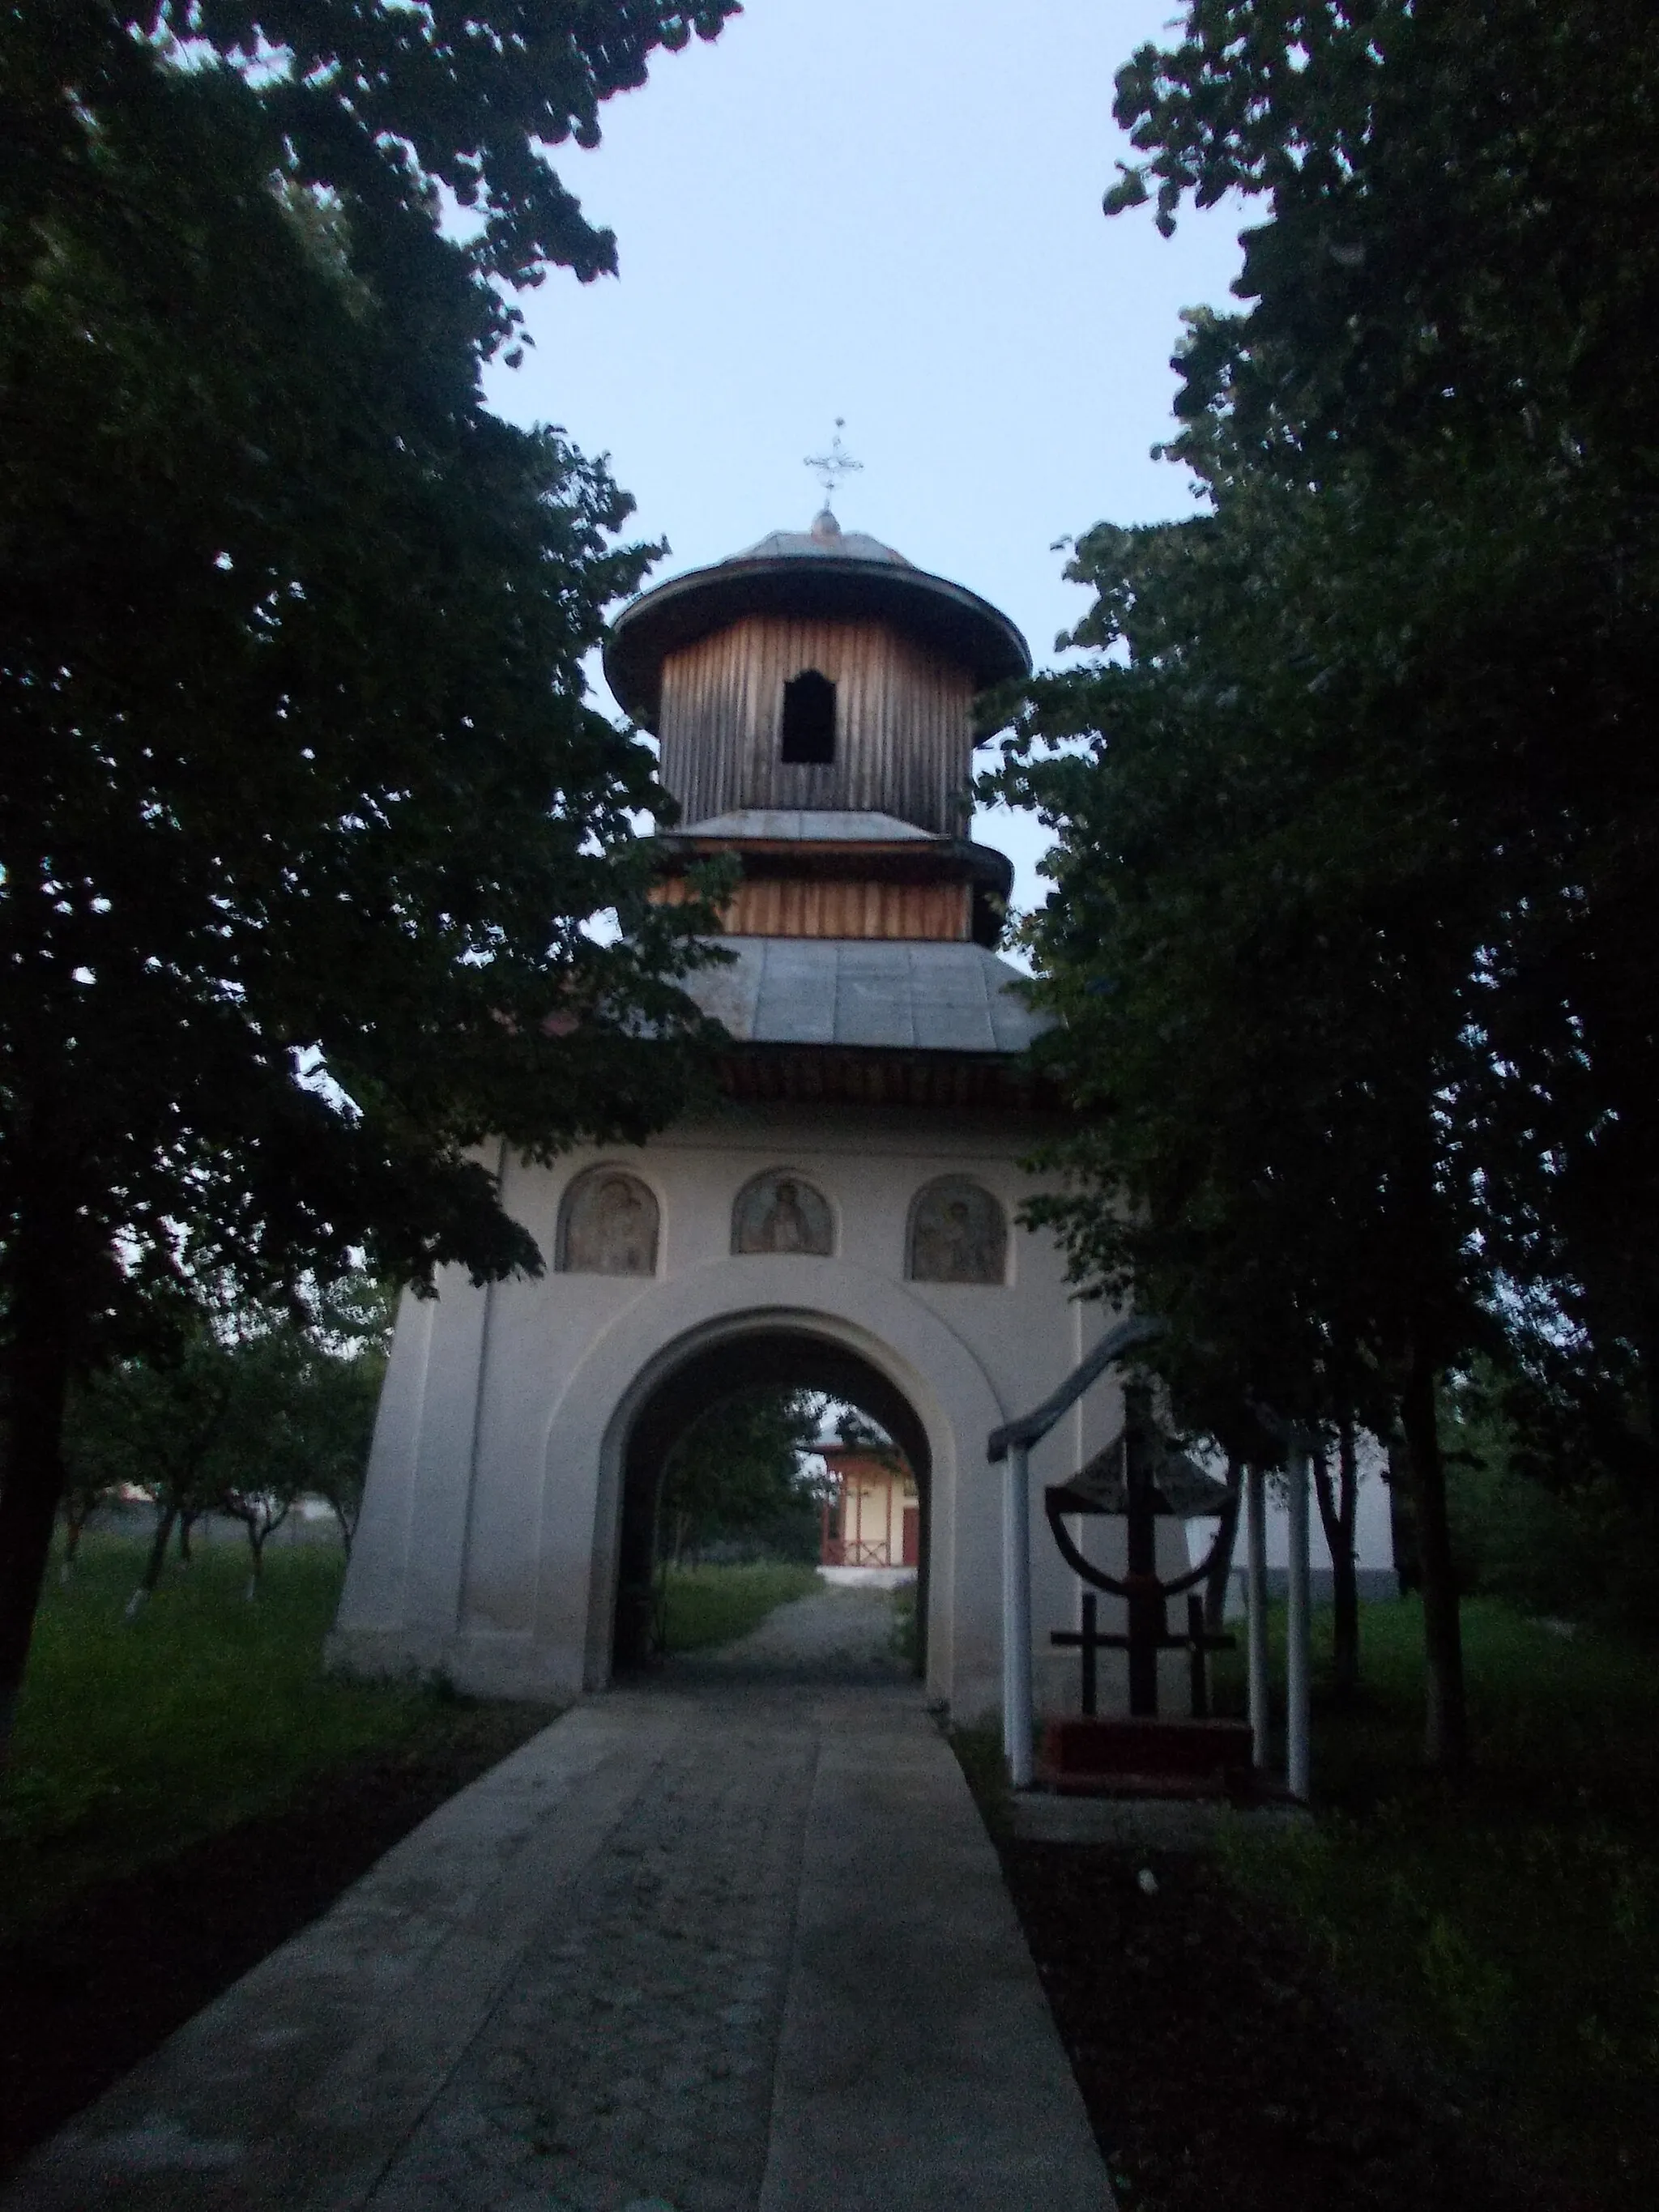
(792, 1358)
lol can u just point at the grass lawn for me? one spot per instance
(1508, 1925)
(135, 1739)
(716, 1605)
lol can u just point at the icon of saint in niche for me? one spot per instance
(780, 1213)
(610, 1226)
(959, 1234)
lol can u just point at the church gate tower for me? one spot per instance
(847, 1221)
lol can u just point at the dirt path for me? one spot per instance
(833, 1635)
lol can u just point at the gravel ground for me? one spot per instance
(836, 1635)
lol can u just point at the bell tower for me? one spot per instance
(843, 1210)
(813, 699)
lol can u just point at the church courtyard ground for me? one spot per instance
(1428, 1995)
(1420, 1998)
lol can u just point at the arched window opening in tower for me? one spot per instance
(809, 720)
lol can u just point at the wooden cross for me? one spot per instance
(1197, 1642)
(1091, 1643)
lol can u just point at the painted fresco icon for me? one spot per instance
(608, 1225)
(779, 1213)
(959, 1234)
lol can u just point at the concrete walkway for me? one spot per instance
(704, 1947)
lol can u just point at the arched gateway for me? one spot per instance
(847, 1220)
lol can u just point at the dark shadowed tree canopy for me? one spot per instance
(737, 1471)
(1358, 809)
(305, 816)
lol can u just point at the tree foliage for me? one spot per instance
(305, 817)
(737, 1472)
(253, 1410)
(153, 1428)
(301, 1417)
(1358, 809)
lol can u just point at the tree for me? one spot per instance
(298, 1418)
(337, 1393)
(154, 1425)
(262, 1513)
(85, 1489)
(737, 1470)
(1450, 308)
(304, 817)
(1339, 1507)
(1367, 811)
(1550, 1506)
(1217, 1581)
(1261, 1005)
(253, 1409)
(858, 1432)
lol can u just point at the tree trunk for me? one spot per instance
(157, 1559)
(73, 1525)
(1221, 1558)
(1347, 1585)
(259, 1533)
(1337, 1503)
(1402, 1517)
(186, 1522)
(347, 1524)
(1446, 1736)
(33, 1483)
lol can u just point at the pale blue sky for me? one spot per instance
(888, 209)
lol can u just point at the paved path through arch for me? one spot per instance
(717, 1945)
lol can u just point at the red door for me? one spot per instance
(911, 1539)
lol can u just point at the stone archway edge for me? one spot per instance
(868, 1311)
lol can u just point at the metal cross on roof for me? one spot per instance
(829, 468)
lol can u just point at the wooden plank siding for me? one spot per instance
(904, 732)
(802, 906)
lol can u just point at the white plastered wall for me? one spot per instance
(487, 1547)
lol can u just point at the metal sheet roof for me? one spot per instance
(812, 826)
(1180, 1486)
(869, 993)
(822, 544)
